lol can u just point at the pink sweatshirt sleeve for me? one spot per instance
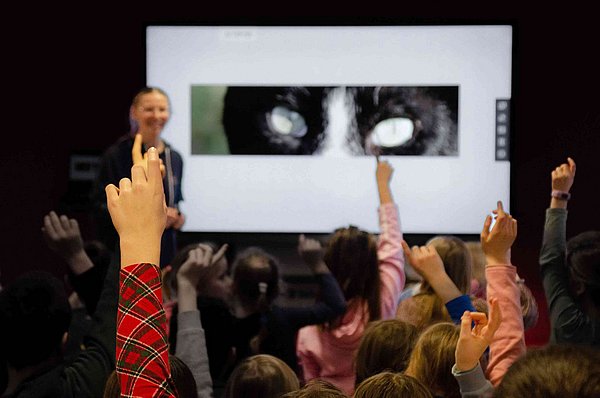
(509, 342)
(391, 259)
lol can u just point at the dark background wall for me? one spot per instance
(72, 73)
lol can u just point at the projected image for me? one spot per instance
(317, 120)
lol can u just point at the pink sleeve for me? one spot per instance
(310, 367)
(391, 259)
(509, 342)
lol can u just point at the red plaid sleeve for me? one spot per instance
(142, 344)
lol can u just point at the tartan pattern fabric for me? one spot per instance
(142, 344)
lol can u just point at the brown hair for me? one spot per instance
(255, 277)
(181, 377)
(385, 345)
(432, 359)
(261, 376)
(391, 385)
(554, 371)
(351, 256)
(317, 388)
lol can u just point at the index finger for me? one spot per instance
(500, 209)
(136, 151)
(406, 249)
(479, 317)
(219, 254)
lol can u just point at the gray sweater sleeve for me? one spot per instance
(473, 383)
(569, 323)
(191, 349)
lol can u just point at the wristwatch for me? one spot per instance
(560, 195)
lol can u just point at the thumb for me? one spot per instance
(485, 232)
(572, 165)
(406, 249)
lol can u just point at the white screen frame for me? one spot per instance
(249, 193)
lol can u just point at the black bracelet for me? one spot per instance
(561, 195)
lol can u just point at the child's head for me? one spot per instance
(215, 280)
(261, 376)
(255, 277)
(583, 261)
(457, 261)
(351, 255)
(553, 371)
(317, 388)
(391, 385)
(34, 318)
(385, 345)
(432, 359)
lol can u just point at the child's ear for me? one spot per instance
(63, 341)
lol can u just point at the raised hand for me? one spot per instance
(428, 263)
(138, 212)
(383, 175)
(563, 176)
(496, 243)
(384, 171)
(311, 252)
(63, 237)
(474, 340)
(425, 260)
(198, 262)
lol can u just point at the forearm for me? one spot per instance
(391, 259)
(191, 349)
(138, 251)
(142, 344)
(79, 262)
(473, 383)
(444, 287)
(509, 342)
(554, 243)
(385, 194)
(186, 296)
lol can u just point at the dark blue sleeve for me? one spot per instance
(458, 306)
(330, 305)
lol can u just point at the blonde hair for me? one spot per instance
(432, 359)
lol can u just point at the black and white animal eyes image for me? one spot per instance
(326, 121)
(406, 120)
(274, 120)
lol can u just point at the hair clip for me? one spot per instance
(262, 287)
